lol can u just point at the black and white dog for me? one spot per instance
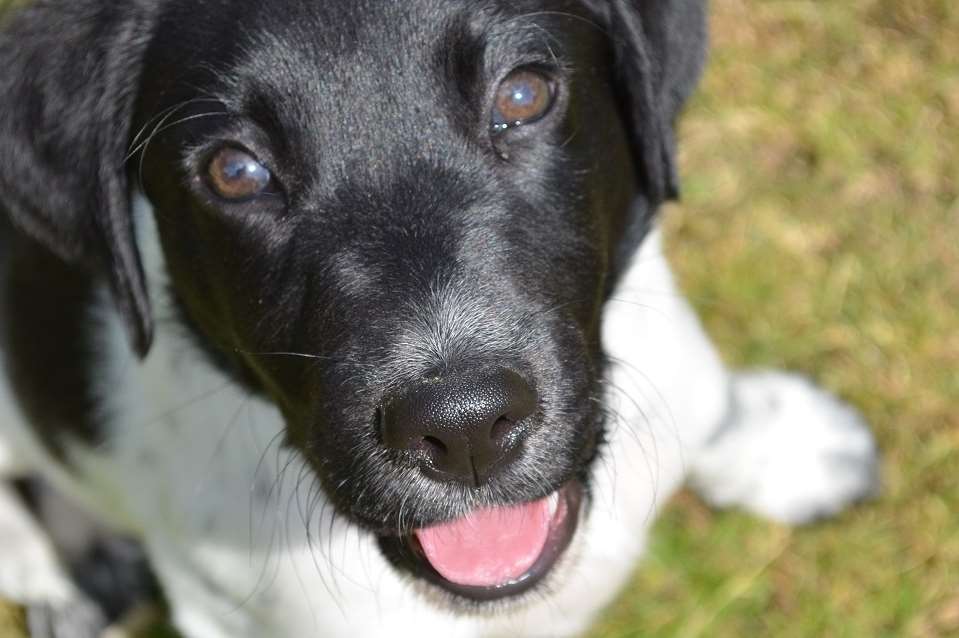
(353, 313)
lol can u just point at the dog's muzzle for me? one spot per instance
(467, 428)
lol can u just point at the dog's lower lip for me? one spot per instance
(410, 553)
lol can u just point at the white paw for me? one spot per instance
(77, 618)
(30, 571)
(789, 451)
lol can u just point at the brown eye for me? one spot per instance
(523, 97)
(236, 175)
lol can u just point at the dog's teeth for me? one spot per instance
(553, 503)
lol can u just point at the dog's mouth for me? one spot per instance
(492, 553)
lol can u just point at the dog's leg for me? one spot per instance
(31, 574)
(74, 587)
(786, 450)
(30, 570)
(108, 568)
(770, 442)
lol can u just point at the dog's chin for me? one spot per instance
(494, 554)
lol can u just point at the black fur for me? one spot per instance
(395, 214)
(70, 75)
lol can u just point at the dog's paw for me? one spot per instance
(29, 568)
(78, 618)
(788, 451)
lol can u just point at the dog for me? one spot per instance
(351, 318)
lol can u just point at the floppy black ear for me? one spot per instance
(68, 78)
(659, 48)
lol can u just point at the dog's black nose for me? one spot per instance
(461, 427)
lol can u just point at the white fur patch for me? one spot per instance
(792, 453)
(29, 570)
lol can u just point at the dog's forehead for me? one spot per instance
(330, 42)
(335, 78)
(336, 72)
(337, 29)
(307, 49)
(380, 49)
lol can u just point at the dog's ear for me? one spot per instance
(659, 48)
(68, 80)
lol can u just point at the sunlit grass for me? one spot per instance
(11, 622)
(820, 232)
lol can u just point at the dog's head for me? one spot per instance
(398, 221)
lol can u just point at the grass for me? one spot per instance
(820, 232)
(11, 622)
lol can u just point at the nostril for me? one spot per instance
(502, 431)
(432, 447)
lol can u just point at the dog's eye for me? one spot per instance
(522, 98)
(236, 175)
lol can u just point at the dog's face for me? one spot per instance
(399, 222)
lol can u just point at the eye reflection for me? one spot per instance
(522, 98)
(235, 175)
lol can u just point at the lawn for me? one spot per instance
(819, 231)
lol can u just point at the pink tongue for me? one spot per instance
(488, 547)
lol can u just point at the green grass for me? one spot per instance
(820, 231)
